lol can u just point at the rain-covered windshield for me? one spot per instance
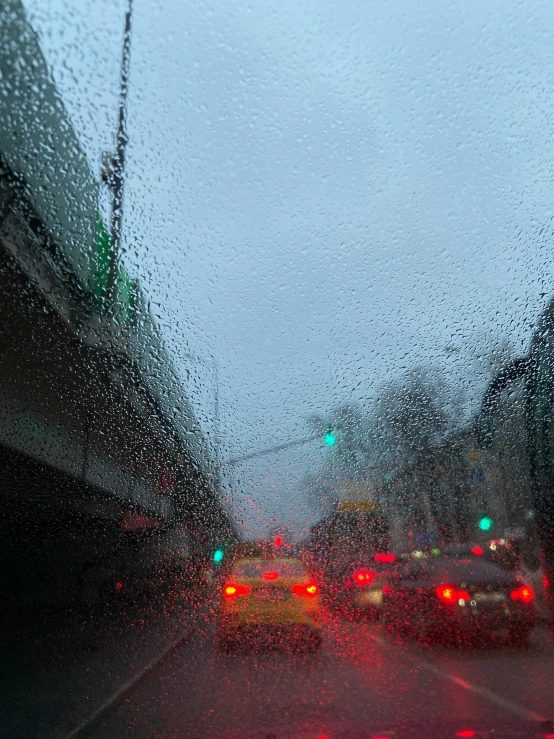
(276, 304)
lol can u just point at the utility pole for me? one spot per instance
(116, 167)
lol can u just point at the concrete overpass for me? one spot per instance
(96, 433)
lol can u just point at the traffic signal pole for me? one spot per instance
(272, 450)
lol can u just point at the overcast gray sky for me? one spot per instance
(321, 193)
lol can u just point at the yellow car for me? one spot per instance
(270, 602)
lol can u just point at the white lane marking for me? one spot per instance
(128, 685)
(381, 641)
(515, 708)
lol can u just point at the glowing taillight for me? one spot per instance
(230, 591)
(466, 733)
(449, 594)
(309, 590)
(478, 551)
(523, 593)
(363, 577)
(446, 593)
(270, 575)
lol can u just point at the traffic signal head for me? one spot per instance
(218, 555)
(485, 523)
(330, 437)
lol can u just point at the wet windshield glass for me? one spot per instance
(276, 369)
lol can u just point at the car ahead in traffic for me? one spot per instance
(270, 602)
(505, 555)
(448, 728)
(355, 586)
(460, 598)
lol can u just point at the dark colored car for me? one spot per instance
(355, 585)
(505, 553)
(455, 597)
(445, 729)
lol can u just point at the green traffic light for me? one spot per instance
(330, 438)
(218, 555)
(485, 523)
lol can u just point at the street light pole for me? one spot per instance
(117, 164)
(216, 424)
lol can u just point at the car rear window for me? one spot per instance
(371, 565)
(283, 569)
(466, 570)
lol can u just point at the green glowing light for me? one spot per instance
(330, 438)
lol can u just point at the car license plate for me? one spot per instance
(372, 597)
(271, 594)
(488, 597)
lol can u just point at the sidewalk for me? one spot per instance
(58, 668)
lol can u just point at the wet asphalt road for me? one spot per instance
(362, 675)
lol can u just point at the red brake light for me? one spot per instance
(270, 575)
(524, 593)
(449, 594)
(310, 589)
(363, 577)
(545, 581)
(231, 590)
(385, 558)
(466, 733)
(477, 551)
